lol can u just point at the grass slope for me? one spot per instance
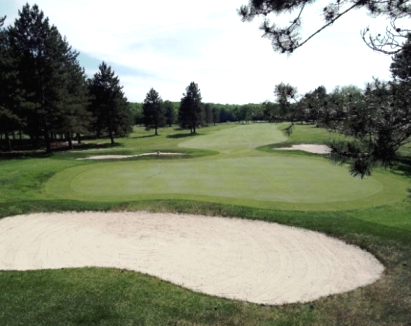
(91, 296)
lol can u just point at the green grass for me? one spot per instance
(238, 175)
(379, 222)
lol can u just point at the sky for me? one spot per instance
(166, 44)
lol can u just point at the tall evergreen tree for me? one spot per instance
(401, 63)
(9, 94)
(44, 58)
(75, 119)
(169, 112)
(190, 112)
(153, 111)
(109, 104)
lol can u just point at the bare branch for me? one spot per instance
(391, 43)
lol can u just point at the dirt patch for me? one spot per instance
(239, 259)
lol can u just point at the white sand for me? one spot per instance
(106, 157)
(239, 259)
(317, 149)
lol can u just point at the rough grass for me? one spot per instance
(93, 296)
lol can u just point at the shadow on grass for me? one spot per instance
(146, 136)
(403, 167)
(177, 136)
(24, 154)
(38, 153)
(93, 146)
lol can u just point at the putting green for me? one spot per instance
(284, 181)
(239, 175)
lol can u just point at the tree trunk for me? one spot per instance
(8, 142)
(47, 136)
(70, 141)
(78, 138)
(111, 136)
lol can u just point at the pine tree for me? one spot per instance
(109, 104)
(43, 59)
(169, 112)
(190, 113)
(401, 63)
(75, 118)
(9, 95)
(286, 38)
(153, 111)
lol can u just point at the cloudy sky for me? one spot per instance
(167, 44)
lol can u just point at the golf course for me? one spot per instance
(226, 173)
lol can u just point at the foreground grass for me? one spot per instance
(93, 296)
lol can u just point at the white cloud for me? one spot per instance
(167, 44)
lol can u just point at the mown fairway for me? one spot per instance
(222, 173)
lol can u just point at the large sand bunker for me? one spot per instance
(238, 259)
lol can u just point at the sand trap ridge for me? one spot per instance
(108, 157)
(232, 258)
(312, 148)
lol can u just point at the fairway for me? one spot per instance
(240, 139)
(239, 174)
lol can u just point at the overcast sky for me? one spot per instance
(166, 44)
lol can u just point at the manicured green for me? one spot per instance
(239, 175)
(218, 167)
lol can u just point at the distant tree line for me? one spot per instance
(191, 113)
(44, 92)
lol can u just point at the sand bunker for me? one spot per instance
(111, 157)
(317, 149)
(253, 261)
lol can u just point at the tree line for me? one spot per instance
(46, 96)
(44, 92)
(209, 113)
